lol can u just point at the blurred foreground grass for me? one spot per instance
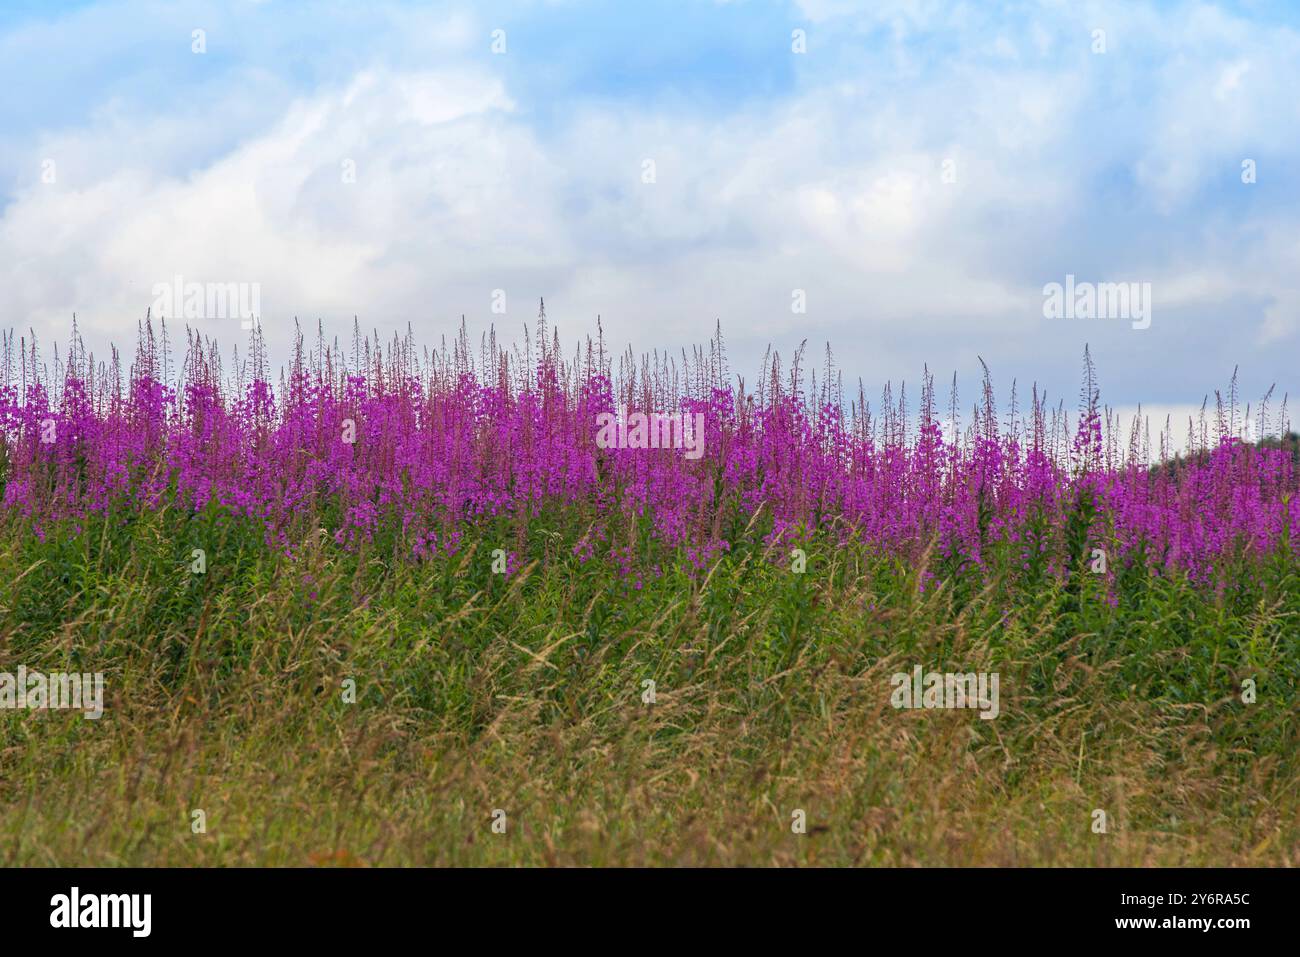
(474, 692)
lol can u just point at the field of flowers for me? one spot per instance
(353, 610)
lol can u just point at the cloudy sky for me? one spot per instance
(914, 172)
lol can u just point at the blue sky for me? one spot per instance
(127, 159)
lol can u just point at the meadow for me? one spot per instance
(400, 607)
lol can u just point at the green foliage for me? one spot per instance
(476, 690)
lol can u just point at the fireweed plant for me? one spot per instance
(407, 452)
(368, 611)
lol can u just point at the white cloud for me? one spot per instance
(835, 188)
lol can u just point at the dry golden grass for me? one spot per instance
(772, 695)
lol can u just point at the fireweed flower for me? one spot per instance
(396, 444)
